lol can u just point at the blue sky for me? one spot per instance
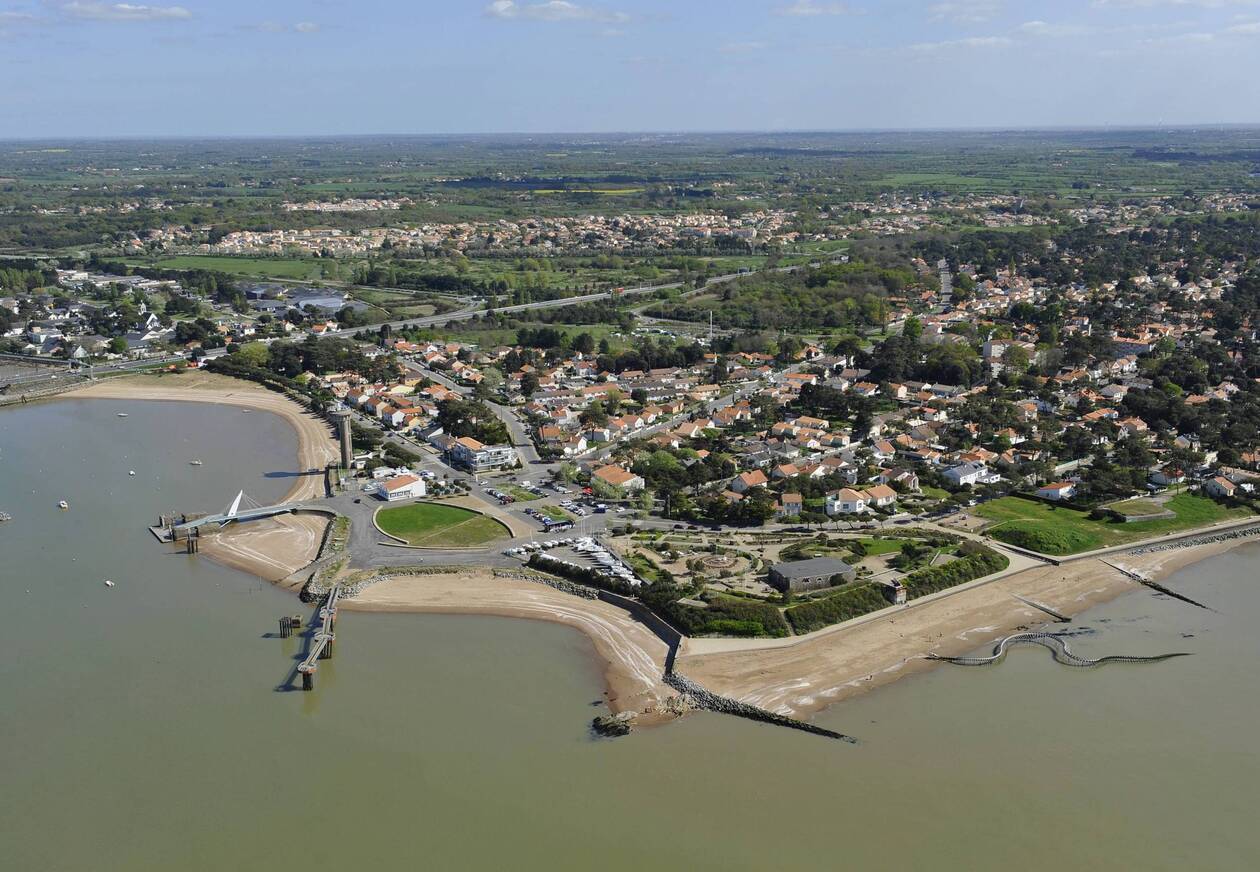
(86, 68)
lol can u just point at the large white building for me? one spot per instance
(468, 452)
(402, 487)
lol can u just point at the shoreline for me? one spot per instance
(632, 657)
(815, 674)
(796, 677)
(315, 445)
(270, 549)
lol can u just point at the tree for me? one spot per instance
(253, 354)
(117, 345)
(594, 414)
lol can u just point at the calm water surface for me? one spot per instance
(142, 729)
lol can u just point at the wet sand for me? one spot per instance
(633, 657)
(272, 549)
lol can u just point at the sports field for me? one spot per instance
(429, 525)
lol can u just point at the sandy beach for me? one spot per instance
(633, 657)
(272, 549)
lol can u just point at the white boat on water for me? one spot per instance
(5, 516)
(194, 463)
(62, 504)
(108, 583)
(122, 414)
(131, 472)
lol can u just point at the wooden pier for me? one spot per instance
(322, 641)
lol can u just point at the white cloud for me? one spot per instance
(9, 18)
(1197, 4)
(808, 8)
(970, 43)
(278, 27)
(1046, 29)
(1247, 28)
(551, 10)
(92, 11)
(965, 11)
(742, 47)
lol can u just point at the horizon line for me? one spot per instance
(1057, 128)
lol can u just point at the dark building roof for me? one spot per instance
(812, 568)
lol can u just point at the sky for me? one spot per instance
(306, 67)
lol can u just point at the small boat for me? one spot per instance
(5, 516)
(62, 504)
(108, 583)
(194, 463)
(131, 472)
(122, 414)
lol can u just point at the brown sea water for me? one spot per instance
(142, 728)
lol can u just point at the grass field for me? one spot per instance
(433, 526)
(1061, 530)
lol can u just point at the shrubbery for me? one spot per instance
(976, 561)
(850, 602)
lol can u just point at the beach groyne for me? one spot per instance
(703, 698)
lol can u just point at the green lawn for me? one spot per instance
(1137, 507)
(520, 493)
(435, 526)
(555, 513)
(1061, 530)
(881, 546)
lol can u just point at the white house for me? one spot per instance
(402, 487)
(846, 501)
(1059, 490)
(970, 474)
(1219, 486)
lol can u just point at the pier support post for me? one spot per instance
(286, 629)
(308, 681)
